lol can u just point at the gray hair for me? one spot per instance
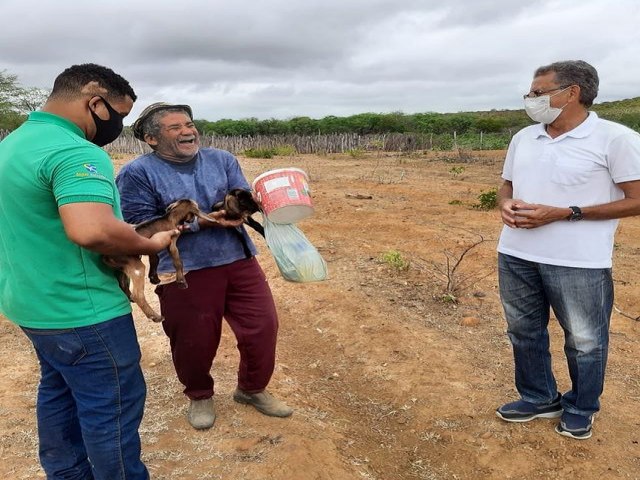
(574, 72)
(151, 126)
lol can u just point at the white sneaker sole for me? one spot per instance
(566, 433)
(528, 419)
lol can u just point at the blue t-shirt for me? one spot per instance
(150, 183)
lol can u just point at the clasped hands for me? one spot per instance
(520, 214)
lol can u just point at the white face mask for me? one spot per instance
(540, 110)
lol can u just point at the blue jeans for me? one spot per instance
(90, 401)
(582, 300)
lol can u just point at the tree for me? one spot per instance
(16, 101)
(9, 89)
(32, 98)
(304, 126)
(490, 123)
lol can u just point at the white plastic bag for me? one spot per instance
(296, 257)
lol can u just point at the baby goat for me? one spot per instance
(239, 204)
(131, 267)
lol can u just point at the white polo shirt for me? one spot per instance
(580, 167)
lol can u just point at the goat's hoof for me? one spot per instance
(157, 318)
(154, 280)
(182, 285)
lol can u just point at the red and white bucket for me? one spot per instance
(284, 195)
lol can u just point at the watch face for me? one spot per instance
(576, 214)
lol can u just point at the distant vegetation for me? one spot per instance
(626, 112)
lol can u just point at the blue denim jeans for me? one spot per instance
(582, 300)
(90, 401)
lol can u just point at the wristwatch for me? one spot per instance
(576, 214)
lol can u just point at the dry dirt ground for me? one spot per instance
(389, 379)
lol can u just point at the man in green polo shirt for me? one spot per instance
(59, 213)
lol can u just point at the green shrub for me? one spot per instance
(285, 150)
(394, 259)
(455, 171)
(282, 150)
(356, 152)
(259, 152)
(449, 298)
(488, 200)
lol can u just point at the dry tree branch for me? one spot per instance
(451, 272)
(626, 315)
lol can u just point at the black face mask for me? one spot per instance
(107, 130)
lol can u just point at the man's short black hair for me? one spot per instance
(71, 82)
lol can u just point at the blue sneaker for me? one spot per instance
(575, 426)
(521, 411)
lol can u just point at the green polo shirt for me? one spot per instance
(47, 281)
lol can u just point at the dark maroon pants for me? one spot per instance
(239, 292)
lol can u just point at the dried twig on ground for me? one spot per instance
(359, 196)
(626, 315)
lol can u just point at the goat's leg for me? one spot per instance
(118, 263)
(253, 223)
(153, 269)
(206, 217)
(123, 281)
(177, 263)
(135, 271)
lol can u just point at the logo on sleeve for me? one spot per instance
(91, 171)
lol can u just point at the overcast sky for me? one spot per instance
(286, 58)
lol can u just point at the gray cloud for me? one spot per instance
(280, 59)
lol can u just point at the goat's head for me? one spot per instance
(237, 204)
(184, 211)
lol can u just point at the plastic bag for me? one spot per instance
(296, 257)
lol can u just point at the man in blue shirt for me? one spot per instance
(224, 278)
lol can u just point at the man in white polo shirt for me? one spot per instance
(567, 180)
